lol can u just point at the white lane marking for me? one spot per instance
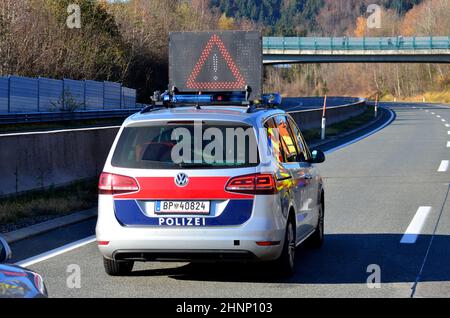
(447, 125)
(448, 132)
(433, 113)
(444, 166)
(391, 118)
(443, 120)
(438, 116)
(427, 110)
(69, 247)
(58, 251)
(448, 144)
(416, 225)
(57, 131)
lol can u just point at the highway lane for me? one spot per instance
(375, 189)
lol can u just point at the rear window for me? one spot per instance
(184, 145)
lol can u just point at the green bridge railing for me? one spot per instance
(353, 43)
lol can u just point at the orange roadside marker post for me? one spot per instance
(324, 119)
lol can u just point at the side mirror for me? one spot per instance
(5, 251)
(317, 156)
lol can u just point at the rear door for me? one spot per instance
(182, 169)
(310, 175)
(299, 173)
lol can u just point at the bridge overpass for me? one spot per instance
(287, 50)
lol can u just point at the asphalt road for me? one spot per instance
(374, 189)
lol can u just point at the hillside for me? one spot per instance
(126, 41)
(303, 17)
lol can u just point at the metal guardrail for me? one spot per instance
(19, 118)
(358, 102)
(312, 118)
(353, 43)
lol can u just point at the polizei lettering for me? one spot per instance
(182, 222)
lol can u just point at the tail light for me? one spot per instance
(115, 184)
(39, 283)
(252, 184)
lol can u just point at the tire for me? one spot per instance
(315, 241)
(115, 268)
(285, 264)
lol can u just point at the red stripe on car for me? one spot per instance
(164, 188)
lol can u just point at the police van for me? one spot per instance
(213, 176)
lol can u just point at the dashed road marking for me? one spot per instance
(415, 227)
(443, 167)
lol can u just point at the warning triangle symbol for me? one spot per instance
(238, 82)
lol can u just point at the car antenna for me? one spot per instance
(248, 102)
(197, 105)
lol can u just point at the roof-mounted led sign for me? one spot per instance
(226, 61)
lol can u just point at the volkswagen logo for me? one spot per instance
(181, 180)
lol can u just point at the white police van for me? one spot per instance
(210, 176)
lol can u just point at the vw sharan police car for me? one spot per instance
(209, 183)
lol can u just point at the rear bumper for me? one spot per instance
(183, 255)
(182, 243)
(220, 244)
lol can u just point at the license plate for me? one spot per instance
(182, 207)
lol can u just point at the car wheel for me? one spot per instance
(316, 239)
(286, 262)
(115, 268)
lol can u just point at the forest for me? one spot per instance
(126, 41)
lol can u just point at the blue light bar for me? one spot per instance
(189, 98)
(268, 99)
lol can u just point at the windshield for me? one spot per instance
(186, 145)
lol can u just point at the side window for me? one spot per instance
(273, 140)
(300, 141)
(286, 139)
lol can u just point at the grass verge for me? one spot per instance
(339, 128)
(429, 97)
(81, 195)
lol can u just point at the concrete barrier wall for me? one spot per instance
(37, 160)
(310, 119)
(31, 161)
